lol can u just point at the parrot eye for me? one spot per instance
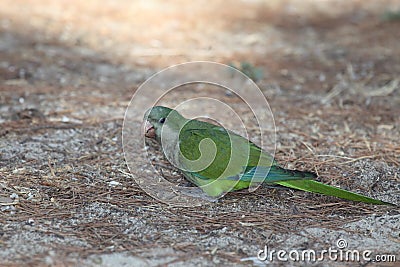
(162, 120)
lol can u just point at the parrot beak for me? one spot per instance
(149, 130)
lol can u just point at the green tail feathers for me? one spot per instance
(305, 181)
(317, 187)
(277, 173)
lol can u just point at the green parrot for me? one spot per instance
(219, 161)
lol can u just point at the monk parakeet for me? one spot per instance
(219, 161)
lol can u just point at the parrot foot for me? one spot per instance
(198, 193)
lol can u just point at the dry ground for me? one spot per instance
(69, 68)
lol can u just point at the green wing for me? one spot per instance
(229, 147)
(237, 163)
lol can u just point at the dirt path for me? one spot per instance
(68, 70)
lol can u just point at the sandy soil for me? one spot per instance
(68, 70)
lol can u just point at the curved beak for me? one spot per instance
(149, 130)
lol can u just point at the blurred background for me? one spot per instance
(312, 34)
(287, 44)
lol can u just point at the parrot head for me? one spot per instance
(157, 117)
